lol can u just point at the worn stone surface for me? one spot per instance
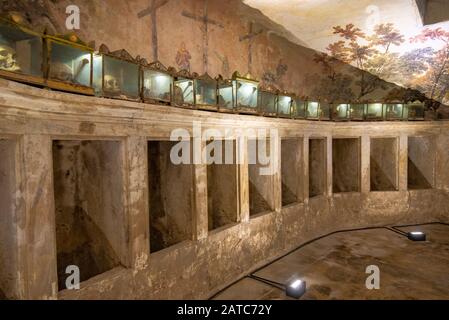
(345, 165)
(198, 267)
(384, 164)
(334, 267)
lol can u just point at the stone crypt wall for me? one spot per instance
(34, 122)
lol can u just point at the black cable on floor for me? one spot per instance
(277, 284)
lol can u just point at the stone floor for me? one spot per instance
(334, 267)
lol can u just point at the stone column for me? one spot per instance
(242, 157)
(329, 165)
(277, 177)
(365, 148)
(36, 220)
(403, 162)
(137, 200)
(200, 210)
(305, 170)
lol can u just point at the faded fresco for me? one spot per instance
(424, 69)
(221, 37)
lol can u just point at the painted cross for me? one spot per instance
(250, 37)
(151, 11)
(205, 20)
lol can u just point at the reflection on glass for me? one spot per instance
(313, 109)
(97, 75)
(325, 111)
(20, 52)
(414, 111)
(374, 111)
(284, 105)
(156, 85)
(246, 93)
(206, 92)
(267, 102)
(341, 111)
(393, 110)
(225, 95)
(357, 111)
(70, 64)
(299, 108)
(183, 92)
(120, 78)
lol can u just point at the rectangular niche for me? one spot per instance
(89, 207)
(384, 159)
(8, 224)
(317, 167)
(222, 183)
(291, 168)
(345, 165)
(170, 196)
(421, 162)
(260, 183)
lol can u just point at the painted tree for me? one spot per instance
(435, 81)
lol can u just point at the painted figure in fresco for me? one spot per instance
(183, 57)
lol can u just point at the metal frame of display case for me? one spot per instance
(393, 118)
(207, 78)
(295, 107)
(158, 67)
(415, 118)
(15, 20)
(283, 115)
(248, 79)
(351, 112)
(225, 83)
(71, 40)
(370, 118)
(334, 107)
(321, 116)
(274, 93)
(120, 55)
(184, 74)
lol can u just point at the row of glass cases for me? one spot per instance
(66, 63)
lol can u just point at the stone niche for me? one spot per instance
(384, 162)
(421, 162)
(317, 167)
(345, 165)
(90, 218)
(291, 168)
(170, 191)
(8, 234)
(222, 183)
(261, 193)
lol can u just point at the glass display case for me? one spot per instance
(312, 110)
(116, 75)
(325, 111)
(206, 92)
(21, 50)
(284, 106)
(157, 82)
(183, 90)
(374, 111)
(414, 111)
(340, 112)
(245, 93)
(357, 111)
(394, 111)
(225, 95)
(298, 108)
(267, 102)
(69, 64)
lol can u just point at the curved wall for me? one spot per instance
(31, 119)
